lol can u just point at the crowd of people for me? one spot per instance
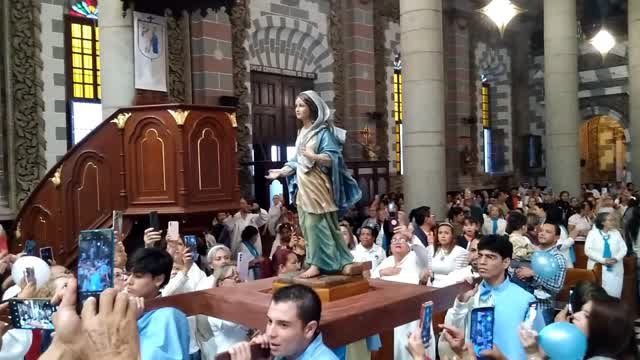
(491, 239)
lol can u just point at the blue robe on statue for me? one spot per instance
(164, 335)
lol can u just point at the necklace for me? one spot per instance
(443, 253)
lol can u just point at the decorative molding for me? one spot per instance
(232, 119)
(56, 179)
(179, 115)
(176, 59)
(381, 58)
(240, 20)
(336, 43)
(121, 120)
(28, 122)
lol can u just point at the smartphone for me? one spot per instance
(192, 242)
(154, 221)
(29, 275)
(30, 247)
(95, 262)
(46, 254)
(257, 352)
(426, 314)
(569, 307)
(117, 221)
(31, 313)
(482, 321)
(173, 230)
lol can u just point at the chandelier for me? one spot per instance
(501, 12)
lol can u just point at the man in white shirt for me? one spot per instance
(248, 215)
(367, 250)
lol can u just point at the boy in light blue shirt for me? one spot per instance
(511, 303)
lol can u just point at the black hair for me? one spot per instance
(420, 214)
(455, 211)
(374, 231)
(583, 292)
(632, 227)
(584, 204)
(563, 192)
(249, 233)
(307, 301)
(152, 261)
(556, 227)
(313, 108)
(600, 219)
(554, 215)
(515, 221)
(498, 244)
(471, 220)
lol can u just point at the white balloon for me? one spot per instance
(40, 268)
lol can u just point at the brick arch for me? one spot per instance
(305, 48)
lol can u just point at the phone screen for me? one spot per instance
(173, 230)
(154, 222)
(46, 254)
(192, 242)
(95, 263)
(570, 307)
(31, 313)
(482, 329)
(29, 275)
(30, 247)
(427, 314)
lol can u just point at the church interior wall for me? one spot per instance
(54, 79)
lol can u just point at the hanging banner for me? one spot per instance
(150, 51)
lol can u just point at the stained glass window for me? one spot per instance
(397, 110)
(85, 8)
(84, 41)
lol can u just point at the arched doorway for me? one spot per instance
(603, 150)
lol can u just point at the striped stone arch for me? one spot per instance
(590, 112)
(285, 43)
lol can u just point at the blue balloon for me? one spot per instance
(563, 341)
(544, 264)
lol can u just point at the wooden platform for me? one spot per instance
(328, 287)
(383, 307)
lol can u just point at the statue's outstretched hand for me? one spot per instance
(273, 174)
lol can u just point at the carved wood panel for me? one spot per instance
(151, 163)
(209, 153)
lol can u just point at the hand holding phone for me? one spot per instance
(482, 322)
(425, 322)
(31, 313)
(191, 242)
(154, 221)
(173, 230)
(30, 248)
(95, 262)
(46, 254)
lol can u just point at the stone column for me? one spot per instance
(561, 95)
(634, 87)
(116, 57)
(423, 108)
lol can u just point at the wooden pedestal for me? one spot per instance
(328, 287)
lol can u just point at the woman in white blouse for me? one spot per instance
(402, 266)
(445, 255)
(582, 221)
(606, 246)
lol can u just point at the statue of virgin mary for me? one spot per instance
(320, 184)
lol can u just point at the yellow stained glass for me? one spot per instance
(88, 62)
(87, 32)
(77, 90)
(88, 91)
(76, 30)
(87, 46)
(76, 60)
(97, 33)
(98, 63)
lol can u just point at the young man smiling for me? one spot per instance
(511, 303)
(292, 328)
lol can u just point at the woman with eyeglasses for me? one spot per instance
(402, 266)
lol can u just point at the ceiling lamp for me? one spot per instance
(603, 41)
(501, 12)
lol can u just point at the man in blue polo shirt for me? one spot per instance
(292, 328)
(511, 303)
